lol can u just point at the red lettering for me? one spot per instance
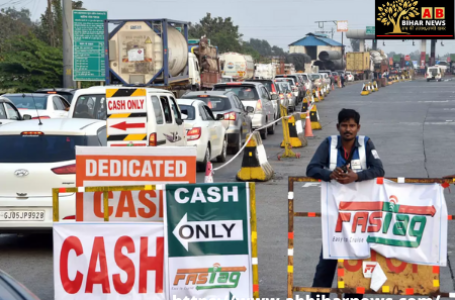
(342, 217)
(126, 204)
(142, 103)
(161, 203)
(109, 105)
(70, 286)
(360, 218)
(439, 13)
(395, 269)
(124, 263)
(98, 204)
(427, 14)
(101, 277)
(151, 263)
(375, 221)
(147, 203)
(353, 268)
(129, 104)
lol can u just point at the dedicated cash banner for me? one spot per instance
(398, 220)
(208, 244)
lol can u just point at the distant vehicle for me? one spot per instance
(335, 76)
(164, 123)
(205, 131)
(65, 93)
(34, 159)
(294, 88)
(12, 289)
(316, 79)
(300, 92)
(349, 76)
(329, 74)
(434, 73)
(286, 96)
(236, 120)
(9, 112)
(254, 94)
(225, 78)
(239, 66)
(308, 81)
(271, 88)
(45, 105)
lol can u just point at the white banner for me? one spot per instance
(398, 220)
(108, 261)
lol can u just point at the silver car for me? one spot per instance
(289, 95)
(236, 120)
(256, 96)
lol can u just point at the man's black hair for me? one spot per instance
(347, 114)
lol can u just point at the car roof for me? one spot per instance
(191, 102)
(54, 126)
(209, 93)
(102, 90)
(249, 83)
(57, 90)
(26, 94)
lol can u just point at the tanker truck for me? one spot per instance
(149, 53)
(239, 66)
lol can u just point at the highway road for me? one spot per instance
(412, 125)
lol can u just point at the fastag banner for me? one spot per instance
(398, 220)
(116, 166)
(108, 261)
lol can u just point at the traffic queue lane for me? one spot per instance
(412, 126)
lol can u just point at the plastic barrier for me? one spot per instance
(375, 86)
(286, 144)
(314, 117)
(255, 166)
(308, 127)
(402, 278)
(364, 91)
(295, 133)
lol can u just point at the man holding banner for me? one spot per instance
(345, 158)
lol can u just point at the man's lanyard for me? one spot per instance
(348, 156)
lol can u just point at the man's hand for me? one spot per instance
(336, 174)
(350, 177)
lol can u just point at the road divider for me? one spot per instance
(255, 166)
(293, 132)
(314, 118)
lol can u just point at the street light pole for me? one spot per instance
(68, 81)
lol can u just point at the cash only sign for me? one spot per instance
(398, 220)
(208, 241)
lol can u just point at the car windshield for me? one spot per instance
(305, 77)
(215, 103)
(91, 107)
(283, 87)
(288, 80)
(434, 71)
(188, 110)
(243, 92)
(28, 102)
(335, 73)
(39, 148)
(315, 76)
(225, 79)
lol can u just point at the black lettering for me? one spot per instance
(214, 232)
(191, 232)
(228, 230)
(200, 230)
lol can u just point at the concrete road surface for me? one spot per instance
(412, 125)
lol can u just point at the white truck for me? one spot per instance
(265, 71)
(239, 66)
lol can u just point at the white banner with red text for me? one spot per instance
(398, 220)
(108, 261)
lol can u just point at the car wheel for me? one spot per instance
(203, 165)
(223, 155)
(264, 133)
(271, 129)
(238, 144)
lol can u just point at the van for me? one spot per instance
(433, 73)
(164, 120)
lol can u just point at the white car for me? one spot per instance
(34, 159)
(8, 112)
(349, 76)
(204, 131)
(43, 105)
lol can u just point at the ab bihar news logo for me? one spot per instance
(423, 19)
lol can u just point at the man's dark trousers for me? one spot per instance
(325, 272)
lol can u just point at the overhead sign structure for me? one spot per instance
(403, 221)
(108, 261)
(88, 45)
(422, 19)
(208, 241)
(101, 166)
(370, 30)
(342, 26)
(126, 117)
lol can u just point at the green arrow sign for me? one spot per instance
(370, 30)
(88, 45)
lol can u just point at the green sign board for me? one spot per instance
(370, 30)
(208, 240)
(88, 45)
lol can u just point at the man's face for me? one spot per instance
(348, 129)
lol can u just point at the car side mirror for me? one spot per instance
(179, 121)
(219, 117)
(274, 97)
(184, 116)
(27, 117)
(250, 109)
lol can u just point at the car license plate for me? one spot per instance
(22, 215)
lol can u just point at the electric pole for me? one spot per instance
(68, 44)
(50, 24)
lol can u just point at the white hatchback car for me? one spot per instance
(36, 158)
(204, 131)
(45, 105)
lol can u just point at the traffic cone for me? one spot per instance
(308, 129)
(208, 173)
(333, 87)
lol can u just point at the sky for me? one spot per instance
(280, 22)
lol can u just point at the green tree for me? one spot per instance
(13, 23)
(30, 64)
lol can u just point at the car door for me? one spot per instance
(12, 112)
(243, 116)
(60, 109)
(177, 126)
(267, 103)
(215, 129)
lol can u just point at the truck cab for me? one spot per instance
(194, 72)
(164, 123)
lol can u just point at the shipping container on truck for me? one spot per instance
(152, 53)
(359, 63)
(208, 61)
